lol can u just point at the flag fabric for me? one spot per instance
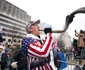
(37, 51)
(24, 45)
(54, 45)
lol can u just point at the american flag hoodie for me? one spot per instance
(37, 51)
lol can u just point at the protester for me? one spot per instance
(11, 53)
(80, 42)
(36, 49)
(77, 67)
(80, 45)
(12, 50)
(59, 57)
(74, 44)
(56, 50)
(80, 38)
(19, 60)
(3, 58)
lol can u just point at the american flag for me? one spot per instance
(35, 51)
(24, 45)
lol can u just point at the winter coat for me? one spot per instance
(3, 61)
(21, 58)
(80, 42)
(37, 52)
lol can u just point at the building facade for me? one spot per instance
(13, 21)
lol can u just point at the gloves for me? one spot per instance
(47, 30)
(14, 64)
(69, 19)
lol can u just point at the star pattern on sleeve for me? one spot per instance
(24, 44)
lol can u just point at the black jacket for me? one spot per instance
(3, 61)
(21, 58)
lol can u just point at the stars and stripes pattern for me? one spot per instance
(35, 51)
(24, 45)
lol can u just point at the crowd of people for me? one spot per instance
(34, 52)
(79, 43)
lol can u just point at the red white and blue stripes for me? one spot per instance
(37, 51)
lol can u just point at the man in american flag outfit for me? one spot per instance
(37, 50)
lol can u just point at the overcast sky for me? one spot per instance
(53, 12)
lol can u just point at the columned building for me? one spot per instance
(13, 21)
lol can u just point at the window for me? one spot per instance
(21, 15)
(14, 40)
(9, 40)
(9, 10)
(3, 39)
(4, 8)
(19, 41)
(17, 14)
(13, 13)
